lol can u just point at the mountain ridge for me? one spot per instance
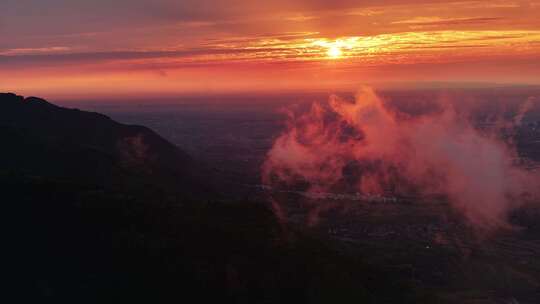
(44, 139)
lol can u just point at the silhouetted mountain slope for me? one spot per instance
(42, 139)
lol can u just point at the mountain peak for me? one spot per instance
(10, 98)
(38, 101)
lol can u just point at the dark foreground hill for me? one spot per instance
(92, 219)
(42, 139)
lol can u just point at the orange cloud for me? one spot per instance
(257, 40)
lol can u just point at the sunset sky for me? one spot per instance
(75, 48)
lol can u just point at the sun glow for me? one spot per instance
(334, 52)
(336, 49)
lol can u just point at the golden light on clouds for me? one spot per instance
(405, 47)
(254, 44)
(335, 48)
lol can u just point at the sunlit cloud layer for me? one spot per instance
(395, 48)
(224, 40)
(407, 47)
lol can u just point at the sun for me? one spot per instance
(334, 52)
(335, 49)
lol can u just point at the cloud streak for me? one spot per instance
(375, 50)
(137, 36)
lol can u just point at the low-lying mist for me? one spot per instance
(368, 147)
